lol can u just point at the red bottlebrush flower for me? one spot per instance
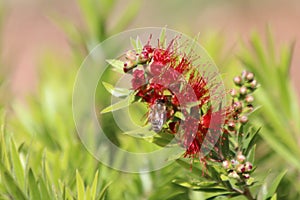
(138, 79)
(172, 77)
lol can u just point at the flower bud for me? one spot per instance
(237, 106)
(131, 55)
(250, 76)
(243, 90)
(248, 166)
(253, 84)
(237, 80)
(249, 99)
(240, 157)
(240, 168)
(128, 65)
(244, 74)
(143, 57)
(231, 126)
(234, 162)
(234, 175)
(226, 164)
(233, 92)
(246, 176)
(243, 119)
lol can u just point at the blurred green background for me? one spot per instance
(43, 44)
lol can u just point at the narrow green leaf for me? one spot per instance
(258, 49)
(251, 141)
(274, 197)
(251, 154)
(11, 185)
(136, 44)
(13, 188)
(79, 186)
(162, 38)
(103, 191)
(133, 43)
(128, 14)
(45, 195)
(143, 132)
(17, 165)
(200, 186)
(117, 65)
(139, 45)
(94, 186)
(115, 91)
(188, 166)
(286, 60)
(90, 15)
(4, 154)
(119, 105)
(33, 186)
(273, 186)
(88, 193)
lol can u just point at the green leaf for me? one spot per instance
(250, 142)
(251, 154)
(128, 14)
(143, 132)
(79, 186)
(115, 91)
(11, 185)
(119, 105)
(188, 166)
(117, 65)
(273, 187)
(94, 186)
(208, 186)
(162, 38)
(17, 165)
(88, 193)
(34, 194)
(268, 189)
(274, 197)
(45, 195)
(103, 191)
(91, 16)
(286, 60)
(137, 44)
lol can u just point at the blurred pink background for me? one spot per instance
(28, 31)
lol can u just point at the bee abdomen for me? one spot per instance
(157, 115)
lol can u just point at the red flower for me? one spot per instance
(172, 77)
(138, 79)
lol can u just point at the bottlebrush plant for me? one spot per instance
(179, 101)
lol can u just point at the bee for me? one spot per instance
(157, 115)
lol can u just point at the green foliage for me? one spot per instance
(279, 114)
